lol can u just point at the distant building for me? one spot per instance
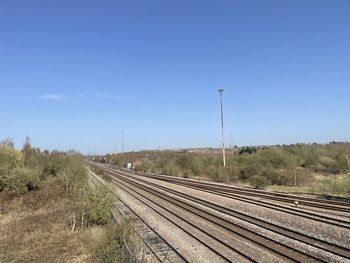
(129, 165)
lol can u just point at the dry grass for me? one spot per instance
(34, 227)
(327, 186)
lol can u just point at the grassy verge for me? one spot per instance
(35, 228)
(327, 186)
(116, 245)
(48, 212)
(289, 189)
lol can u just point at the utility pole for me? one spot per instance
(222, 129)
(123, 132)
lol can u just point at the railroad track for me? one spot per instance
(287, 198)
(322, 216)
(334, 219)
(160, 248)
(288, 252)
(152, 206)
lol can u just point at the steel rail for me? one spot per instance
(307, 201)
(291, 210)
(144, 222)
(320, 244)
(310, 258)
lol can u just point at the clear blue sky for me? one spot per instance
(74, 74)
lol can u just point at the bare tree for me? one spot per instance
(8, 142)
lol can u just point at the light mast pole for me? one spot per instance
(222, 129)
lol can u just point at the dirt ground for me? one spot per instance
(34, 227)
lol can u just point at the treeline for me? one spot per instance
(24, 170)
(301, 165)
(30, 169)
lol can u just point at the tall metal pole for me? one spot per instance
(222, 129)
(123, 146)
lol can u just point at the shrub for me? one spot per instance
(51, 167)
(310, 158)
(276, 158)
(304, 177)
(172, 171)
(10, 158)
(217, 174)
(145, 165)
(14, 176)
(184, 161)
(72, 174)
(334, 185)
(249, 170)
(96, 207)
(101, 173)
(259, 182)
(116, 246)
(212, 172)
(21, 180)
(2, 183)
(278, 177)
(188, 173)
(231, 174)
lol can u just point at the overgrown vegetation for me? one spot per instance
(34, 227)
(322, 168)
(94, 208)
(22, 171)
(115, 245)
(101, 173)
(62, 182)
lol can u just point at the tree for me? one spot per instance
(184, 161)
(27, 150)
(8, 142)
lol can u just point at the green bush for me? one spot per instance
(72, 174)
(259, 182)
(14, 177)
(249, 170)
(116, 246)
(51, 167)
(96, 207)
(276, 158)
(334, 185)
(10, 158)
(21, 180)
(188, 173)
(185, 162)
